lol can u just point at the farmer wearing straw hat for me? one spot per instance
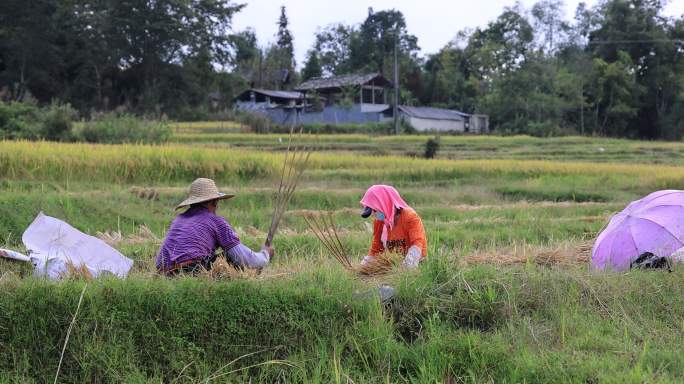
(195, 234)
(397, 227)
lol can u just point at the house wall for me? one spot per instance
(329, 115)
(435, 125)
(479, 124)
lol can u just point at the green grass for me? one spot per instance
(482, 324)
(305, 319)
(460, 147)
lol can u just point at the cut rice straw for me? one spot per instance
(566, 253)
(294, 164)
(323, 226)
(381, 264)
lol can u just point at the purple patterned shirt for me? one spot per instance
(194, 235)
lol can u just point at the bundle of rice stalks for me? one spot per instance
(76, 273)
(381, 264)
(323, 226)
(567, 253)
(221, 269)
(294, 164)
(145, 193)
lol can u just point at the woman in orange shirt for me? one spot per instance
(397, 227)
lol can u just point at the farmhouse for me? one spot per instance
(351, 99)
(424, 119)
(262, 99)
(371, 89)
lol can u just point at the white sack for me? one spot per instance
(52, 243)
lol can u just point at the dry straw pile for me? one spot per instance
(567, 253)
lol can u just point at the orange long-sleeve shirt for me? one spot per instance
(407, 231)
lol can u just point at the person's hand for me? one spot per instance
(366, 260)
(412, 258)
(3, 253)
(268, 249)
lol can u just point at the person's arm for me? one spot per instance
(238, 253)
(416, 241)
(376, 247)
(243, 256)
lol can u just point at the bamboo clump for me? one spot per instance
(296, 159)
(324, 228)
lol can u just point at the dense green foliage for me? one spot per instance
(60, 123)
(615, 69)
(148, 57)
(124, 129)
(27, 121)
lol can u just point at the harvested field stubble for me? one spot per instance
(503, 296)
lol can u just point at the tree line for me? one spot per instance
(614, 69)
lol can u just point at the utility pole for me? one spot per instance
(396, 83)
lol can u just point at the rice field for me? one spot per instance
(504, 295)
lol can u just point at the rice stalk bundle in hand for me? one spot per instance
(325, 230)
(381, 264)
(294, 164)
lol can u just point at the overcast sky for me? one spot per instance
(434, 22)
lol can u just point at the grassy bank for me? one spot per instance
(478, 324)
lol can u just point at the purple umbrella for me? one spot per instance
(653, 224)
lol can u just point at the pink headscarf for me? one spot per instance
(385, 199)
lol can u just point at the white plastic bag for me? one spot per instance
(52, 244)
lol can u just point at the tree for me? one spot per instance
(635, 30)
(29, 48)
(378, 35)
(285, 37)
(548, 20)
(283, 52)
(334, 45)
(247, 57)
(615, 94)
(312, 66)
(130, 52)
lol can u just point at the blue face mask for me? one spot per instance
(380, 216)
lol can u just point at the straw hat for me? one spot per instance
(202, 190)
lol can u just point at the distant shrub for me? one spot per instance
(257, 123)
(125, 128)
(57, 122)
(372, 128)
(431, 148)
(19, 121)
(28, 121)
